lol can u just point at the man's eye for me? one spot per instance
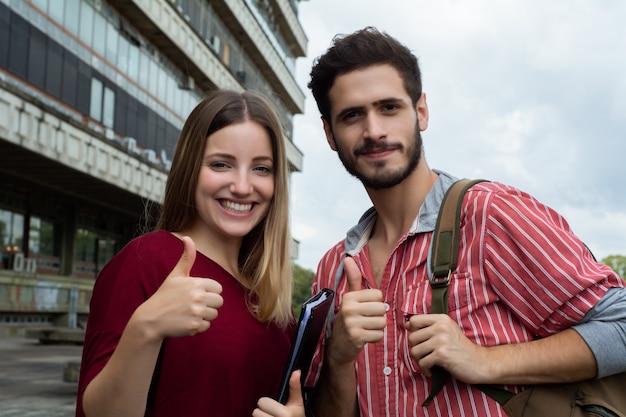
(350, 115)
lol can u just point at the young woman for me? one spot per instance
(195, 318)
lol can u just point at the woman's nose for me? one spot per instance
(241, 184)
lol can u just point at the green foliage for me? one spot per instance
(302, 280)
(617, 263)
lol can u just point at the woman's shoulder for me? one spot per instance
(151, 247)
(155, 240)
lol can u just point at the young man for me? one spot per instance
(527, 302)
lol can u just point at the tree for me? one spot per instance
(617, 263)
(302, 280)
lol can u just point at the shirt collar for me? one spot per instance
(425, 221)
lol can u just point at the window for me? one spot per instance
(108, 107)
(55, 10)
(72, 10)
(99, 34)
(86, 24)
(102, 103)
(11, 236)
(122, 54)
(40, 237)
(111, 42)
(95, 108)
(92, 252)
(133, 62)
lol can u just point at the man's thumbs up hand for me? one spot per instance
(361, 318)
(353, 274)
(183, 305)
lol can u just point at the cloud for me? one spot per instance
(528, 92)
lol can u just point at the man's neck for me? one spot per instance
(397, 207)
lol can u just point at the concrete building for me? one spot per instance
(93, 94)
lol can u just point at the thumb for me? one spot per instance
(355, 280)
(295, 390)
(183, 267)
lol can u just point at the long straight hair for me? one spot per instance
(264, 254)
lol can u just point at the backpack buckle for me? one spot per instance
(441, 281)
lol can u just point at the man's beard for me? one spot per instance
(379, 181)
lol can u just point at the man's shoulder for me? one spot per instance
(495, 189)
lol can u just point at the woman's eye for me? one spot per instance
(263, 170)
(218, 165)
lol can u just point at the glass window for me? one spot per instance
(108, 108)
(122, 54)
(41, 4)
(106, 250)
(95, 108)
(133, 62)
(86, 23)
(72, 11)
(153, 77)
(11, 236)
(99, 34)
(144, 64)
(111, 42)
(41, 237)
(56, 10)
(161, 91)
(85, 245)
(92, 252)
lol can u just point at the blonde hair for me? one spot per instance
(264, 255)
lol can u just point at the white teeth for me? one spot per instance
(241, 208)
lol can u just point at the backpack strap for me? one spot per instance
(444, 255)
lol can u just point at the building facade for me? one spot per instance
(93, 94)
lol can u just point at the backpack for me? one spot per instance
(604, 397)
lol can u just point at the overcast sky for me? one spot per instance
(528, 92)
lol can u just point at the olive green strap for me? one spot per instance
(444, 254)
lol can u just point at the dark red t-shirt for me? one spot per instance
(221, 372)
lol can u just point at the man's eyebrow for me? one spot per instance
(390, 100)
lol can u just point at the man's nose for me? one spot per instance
(374, 127)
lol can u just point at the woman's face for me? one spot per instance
(236, 180)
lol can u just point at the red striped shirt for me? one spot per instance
(521, 274)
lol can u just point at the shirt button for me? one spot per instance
(387, 370)
(386, 307)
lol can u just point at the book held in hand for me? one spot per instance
(310, 325)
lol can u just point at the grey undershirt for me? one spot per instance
(604, 329)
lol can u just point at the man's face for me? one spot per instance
(374, 127)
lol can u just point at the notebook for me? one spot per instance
(310, 325)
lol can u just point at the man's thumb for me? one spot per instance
(183, 267)
(355, 280)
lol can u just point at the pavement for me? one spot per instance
(34, 378)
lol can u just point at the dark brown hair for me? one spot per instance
(361, 49)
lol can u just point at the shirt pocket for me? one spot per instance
(418, 297)
(417, 300)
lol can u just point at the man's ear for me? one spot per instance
(330, 138)
(421, 108)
